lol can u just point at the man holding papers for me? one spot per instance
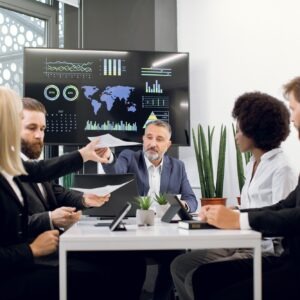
(52, 206)
(156, 172)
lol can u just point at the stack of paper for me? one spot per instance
(107, 140)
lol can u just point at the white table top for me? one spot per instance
(84, 235)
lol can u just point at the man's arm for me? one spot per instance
(187, 193)
(118, 165)
(61, 217)
(72, 198)
(45, 170)
(67, 197)
(284, 222)
(38, 223)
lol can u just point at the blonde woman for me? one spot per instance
(20, 277)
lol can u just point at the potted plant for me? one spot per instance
(240, 163)
(68, 180)
(144, 215)
(211, 188)
(162, 204)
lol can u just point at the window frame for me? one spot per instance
(38, 10)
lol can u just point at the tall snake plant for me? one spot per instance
(210, 188)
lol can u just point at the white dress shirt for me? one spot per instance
(273, 180)
(154, 174)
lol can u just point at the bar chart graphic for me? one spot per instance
(154, 89)
(113, 67)
(114, 126)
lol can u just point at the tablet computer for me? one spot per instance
(176, 207)
(116, 224)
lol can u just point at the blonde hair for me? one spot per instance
(10, 126)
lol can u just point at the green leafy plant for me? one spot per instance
(239, 161)
(247, 156)
(67, 180)
(210, 188)
(144, 202)
(161, 199)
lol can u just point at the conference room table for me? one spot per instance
(85, 236)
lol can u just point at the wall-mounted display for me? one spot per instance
(93, 92)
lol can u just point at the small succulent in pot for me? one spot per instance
(144, 202)
(161, 199)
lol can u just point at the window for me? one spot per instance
(23, 23)
(17, 31)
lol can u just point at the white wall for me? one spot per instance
(237, 46)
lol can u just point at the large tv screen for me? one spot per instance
(94, 92)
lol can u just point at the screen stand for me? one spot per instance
(170, 213)
(120, 227)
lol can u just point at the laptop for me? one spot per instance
(118, 198)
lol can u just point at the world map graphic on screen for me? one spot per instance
(109, 96)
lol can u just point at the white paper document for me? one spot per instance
(107, 140)
(101, 191)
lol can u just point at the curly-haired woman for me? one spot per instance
(262, 124)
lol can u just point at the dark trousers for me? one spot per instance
(105, 275)
(163, 283)
(35, 282)
(90, 275)
(233, 280)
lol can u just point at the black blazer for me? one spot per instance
(39, 206)
(15, 253)
(281, 219)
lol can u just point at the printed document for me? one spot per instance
(101, 191)
(107, 140)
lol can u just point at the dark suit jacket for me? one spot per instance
(173, 177)
(281, 219)
(15, 253)
(39, 206)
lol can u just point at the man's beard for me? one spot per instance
(32, 150)
(152, 156)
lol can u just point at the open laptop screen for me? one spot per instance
(118, 198)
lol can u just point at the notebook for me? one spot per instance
(118, 198)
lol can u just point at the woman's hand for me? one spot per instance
(220, 216)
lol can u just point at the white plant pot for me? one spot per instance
(144, 217)
(161, 210)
